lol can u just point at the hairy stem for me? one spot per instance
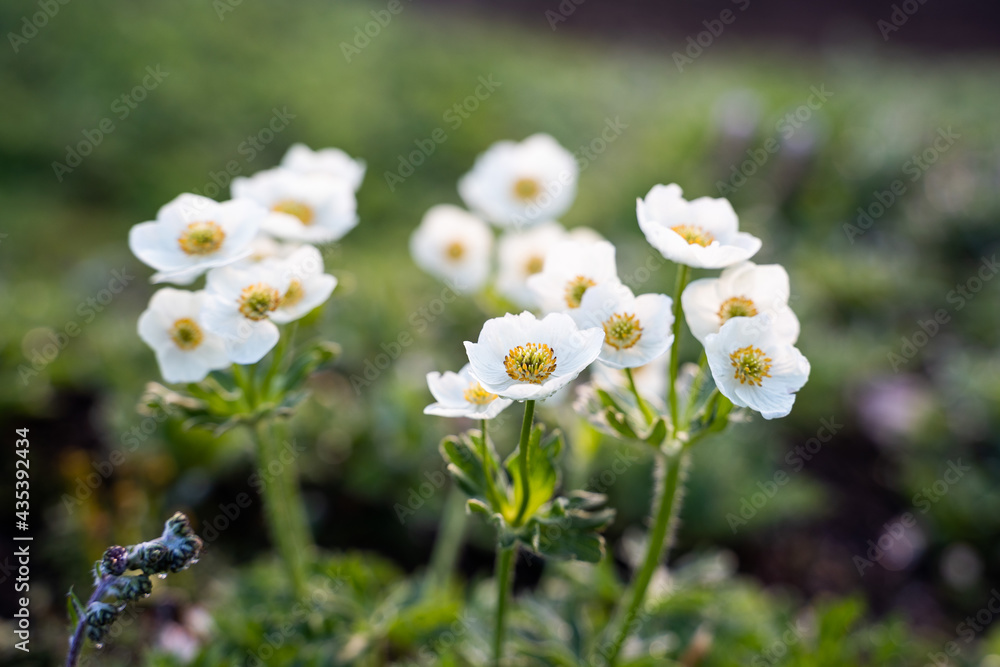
(505, 559)
(76, 641)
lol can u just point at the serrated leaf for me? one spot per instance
(465, 466)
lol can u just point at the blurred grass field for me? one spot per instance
(858, 295)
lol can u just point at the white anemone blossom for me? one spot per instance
(702, 233)
(239, 308)
(308, 286)
(743, 290)
(185, 350)
(571, 268)
(637, 329)
(331, 161)
(523, 358)
(192, 234)
(453, 245)
(521, 184)
(521, 255)
(313, 208)
(461, 395)
(754, 367)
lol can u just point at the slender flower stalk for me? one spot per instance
(529, 415)
(646, 411)
(683, 274)
(505, 560)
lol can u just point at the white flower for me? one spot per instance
(754, 368)
(240, 305)
(453, 245)
(308, 286)
(702, 233)
(636, 329)
(571, 268)
(266, 248)
(332, 161)
(172, 326)
(522, 255)
(523, 358)
(461, 395)
(521, 184)
(743, 290)
(313, 207)
(192, 234)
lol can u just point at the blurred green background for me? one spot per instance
(861, 291)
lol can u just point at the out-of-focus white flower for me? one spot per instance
(636, 329)
(264, 248)
(571, 268)
(239, 308)
(453, 245)
(185, 350)
(522, 255)
(192, 234)
(755, 368)
(308, 286)
(461, 395)
(743, 290)
(331, 161)
(523, 358)
(313, 207)
(702, 233)
(521, 184)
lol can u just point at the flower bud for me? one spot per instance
(115, 561)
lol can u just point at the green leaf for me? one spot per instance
(74, 608)
(658, 433)
(619, 422)
(543, 476)
(570, 528)
(466, 463)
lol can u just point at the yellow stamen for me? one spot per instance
(622, 331)
(300, 210)
(694, 234)
(454, 251)
(751, 365)
(737, 306)
(533, 363)
(534, 265)
(477, 395)
(294, 294)
(258, 300)
(186, 334)
(527, 189)
(575, 289)
(202, 238)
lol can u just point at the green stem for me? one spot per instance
(647, 413)
(505, 559)
(245, 385)
(449, 538)
(666, 503)
(283, 505)
(529, 415)
(696, 383)
(683, 273)
(277, 359)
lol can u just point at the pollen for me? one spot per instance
(534, 265)
(736, 306)
(475, 394)
(202, 238)
(694, 234)
(186, 334)
(454, 251)
(300, 210)
(258, 300)
(622, 331)
(532, 363)
(751, 365)
(294, 294)
(527, 189)
(575, 289)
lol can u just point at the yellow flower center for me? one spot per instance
(736, 306)
(527, 189)
(475, 393)
(186, 334)
(534, 265)
(533, 363)
(694, 234)
(202, 238)
(294, 294)
(575, 289)
(302, 211)
(622, 331)
(257, 301)
(454, 251)
(751, 365)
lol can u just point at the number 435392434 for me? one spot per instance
(21, 474)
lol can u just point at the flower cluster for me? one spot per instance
(261, 270)
(175, 550)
